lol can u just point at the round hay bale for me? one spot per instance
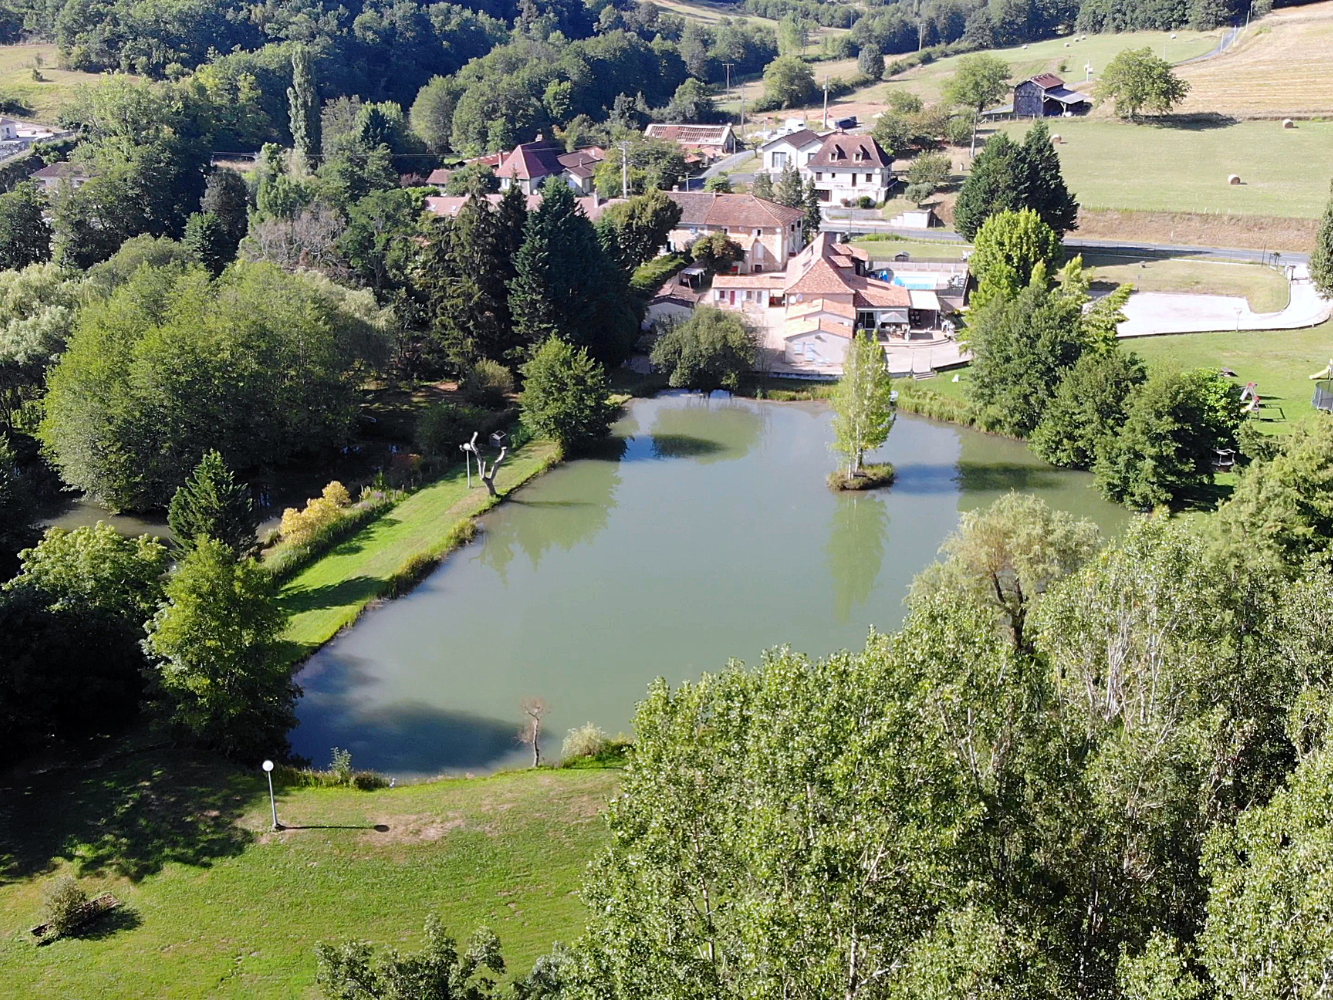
(1057, 139)
(1066, 45)
(1233, 179)
(1173, 34)
(1288, 123)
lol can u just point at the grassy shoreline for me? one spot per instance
(396, 549)
(216, 904)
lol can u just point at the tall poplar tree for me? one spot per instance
(303, 109)
(862, 406)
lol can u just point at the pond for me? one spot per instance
(705, 532)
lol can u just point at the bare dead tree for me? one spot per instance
(488, 473)
(531, 733)
(307, 240)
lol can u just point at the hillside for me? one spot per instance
(1279, 67)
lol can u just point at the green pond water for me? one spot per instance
(705, 532)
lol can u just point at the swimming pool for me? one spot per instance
(917, 281)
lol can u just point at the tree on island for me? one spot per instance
(213, 504)
(979, 81)
(862, 404)
(1137, 80)
(710, 350)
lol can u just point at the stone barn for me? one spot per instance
(1046, 96)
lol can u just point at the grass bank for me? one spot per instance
(217, 905)
(41, 99)
(396, 549)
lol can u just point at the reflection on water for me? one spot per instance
(707, 533)
(856, 550)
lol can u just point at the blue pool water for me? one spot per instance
(917, 281)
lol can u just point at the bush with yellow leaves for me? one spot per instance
(301, 526)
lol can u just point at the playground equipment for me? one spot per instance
(1323, 390)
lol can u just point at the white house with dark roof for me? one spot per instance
(846, 168)
(53, 175)
(794, 149)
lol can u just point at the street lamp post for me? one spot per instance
(273, 803)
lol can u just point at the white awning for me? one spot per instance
(924, 299)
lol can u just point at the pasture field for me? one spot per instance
(1062, 56)
(1279, 67)
(1184, 169)
(1265, 288)
(41, 99)
(215, 904)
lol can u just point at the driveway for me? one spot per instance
(1151, 313)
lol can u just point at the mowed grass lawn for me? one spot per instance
(1065, 60)
(1279, 362)
(1117, 165)
(1265, 289)
(885, 250)
(41, 99)
(332, 591)
(218, 905)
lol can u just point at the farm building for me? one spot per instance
(710, 141)
(1046, 96)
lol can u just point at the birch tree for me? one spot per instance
(862, 403)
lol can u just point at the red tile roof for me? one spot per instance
(531, 161)
(439, 176)
(1047, 80)
(733, 211)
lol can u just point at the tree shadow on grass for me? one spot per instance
(122, 918)
(353, 590)
(1202, 122)
(125, 816)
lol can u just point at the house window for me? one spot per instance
(819, 175)
(759, 232)
(779, 160)
(756, 268)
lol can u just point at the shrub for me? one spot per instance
(65, 905)
(587, 740)
(443, 427)
(341, 764)
(865, 201)
(289, 558)
(489, 384)
(300, 526)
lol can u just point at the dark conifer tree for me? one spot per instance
(1041, 185)
(991, 187)
(213, 504)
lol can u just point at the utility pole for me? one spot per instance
(728, 65)
(624, 168)
(826, 100)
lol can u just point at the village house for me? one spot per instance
(1046, 96)
(846, 168)
(794, 149)
(708, 142)
(808, 314)
(447, 206)
(529, 164)
(9, 130)
(767, 232)
(51, 176)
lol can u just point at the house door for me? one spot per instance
(732, 296)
